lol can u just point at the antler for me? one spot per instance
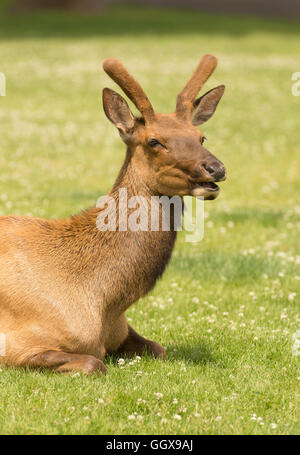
(130, 86)
(187, 96)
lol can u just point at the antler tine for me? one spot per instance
(130, 86)
(187, 96)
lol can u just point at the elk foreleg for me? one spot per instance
(64, 362)
(138, 345)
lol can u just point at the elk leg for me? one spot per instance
(136, 344)
(64, 362)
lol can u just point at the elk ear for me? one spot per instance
(205, 106)
(117, 111)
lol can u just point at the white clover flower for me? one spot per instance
(158, 395)
(273, 426)
(177, 417)
(296, 344)
(291, 296)
(121, 361)
(131, 417)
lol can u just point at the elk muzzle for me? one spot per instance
(216, 170)
(211, 171)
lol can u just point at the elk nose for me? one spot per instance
(216, 170)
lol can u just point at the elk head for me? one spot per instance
(168, 149)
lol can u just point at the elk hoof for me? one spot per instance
(87, 364)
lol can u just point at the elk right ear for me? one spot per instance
(117, 111)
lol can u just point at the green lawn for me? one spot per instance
(226, 308)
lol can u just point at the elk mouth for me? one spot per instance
(208, 190)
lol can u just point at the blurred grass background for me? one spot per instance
(226, 308)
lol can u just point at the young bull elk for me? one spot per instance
(65, 284)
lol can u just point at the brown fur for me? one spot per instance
(130, 86)
(65, 285)
(187, 96)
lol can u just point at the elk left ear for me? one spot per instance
(205, 106)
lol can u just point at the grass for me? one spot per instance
(225, 308)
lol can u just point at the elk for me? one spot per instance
(66, 285)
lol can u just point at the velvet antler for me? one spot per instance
(187, 96)
(130, 86)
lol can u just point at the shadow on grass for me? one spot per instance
(214, 265)
(197, 353)
(133, 20)
(264, 217)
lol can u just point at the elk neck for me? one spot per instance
(135, 259)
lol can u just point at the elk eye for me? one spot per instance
(203, 138)
(153, 142)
